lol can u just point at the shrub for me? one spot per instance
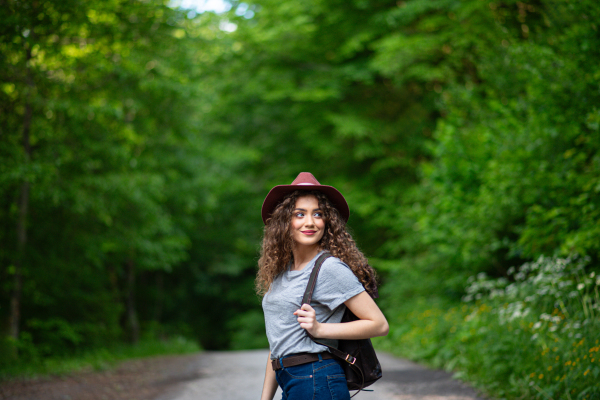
(533, 335)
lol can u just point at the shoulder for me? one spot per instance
(334, 268)
(336, 283)
(335, 263)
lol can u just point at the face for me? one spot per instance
(308, 225)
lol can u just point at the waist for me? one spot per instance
(299, 359)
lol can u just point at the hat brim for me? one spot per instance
(277, 194)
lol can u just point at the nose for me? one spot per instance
(309, 221)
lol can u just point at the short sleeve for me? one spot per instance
(336, 283)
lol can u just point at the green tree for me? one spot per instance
(94, 92)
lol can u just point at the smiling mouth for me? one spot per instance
(309, 232)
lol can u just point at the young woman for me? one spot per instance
(302, 220)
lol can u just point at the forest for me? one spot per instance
(138, 140)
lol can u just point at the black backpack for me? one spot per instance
(358, 357)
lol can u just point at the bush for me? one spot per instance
(534, 336)
(97, 359)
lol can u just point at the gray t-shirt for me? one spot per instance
(336, 283)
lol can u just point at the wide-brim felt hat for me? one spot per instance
(304, 181)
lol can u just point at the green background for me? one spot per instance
(138, 140)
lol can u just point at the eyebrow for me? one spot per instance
(302, 209)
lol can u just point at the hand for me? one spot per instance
(307, 318)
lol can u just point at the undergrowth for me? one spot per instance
(535, 335)
(97, 359)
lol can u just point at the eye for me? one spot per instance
(299, 215)
(318, 214)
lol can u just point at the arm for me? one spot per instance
(371, 321)
(270, 384)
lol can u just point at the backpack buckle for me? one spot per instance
(351, 360)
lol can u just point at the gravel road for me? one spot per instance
(239, 376)
(219, 376)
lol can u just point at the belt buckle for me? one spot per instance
(350, 360)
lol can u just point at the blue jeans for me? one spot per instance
(320, 380)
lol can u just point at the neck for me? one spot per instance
(303, 254)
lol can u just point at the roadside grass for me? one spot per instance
(97, 359)
(535, 336)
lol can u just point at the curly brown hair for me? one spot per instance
(276, 251)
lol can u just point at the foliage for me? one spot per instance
(98, 359)
(504, 184)
(538, 331)
(98, 119)
(249, 331)
(138, 141)
(553, 304)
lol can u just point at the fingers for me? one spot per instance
(306, 323)
(305, 310)
(301, 313)
(306, 317)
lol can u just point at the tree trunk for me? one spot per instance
(132, 319)
(23, 206)
(160, 289)
(17, 290)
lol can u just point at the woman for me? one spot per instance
(302, 220)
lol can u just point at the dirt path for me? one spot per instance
(143, 379)
(239, 376)
(405, 380)
(222, 376)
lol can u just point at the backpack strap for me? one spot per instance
(312, 281)
(308, 293)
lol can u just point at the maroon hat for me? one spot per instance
(304, 181)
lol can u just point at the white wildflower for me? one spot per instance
(563, 284)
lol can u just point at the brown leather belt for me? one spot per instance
(299, 360)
